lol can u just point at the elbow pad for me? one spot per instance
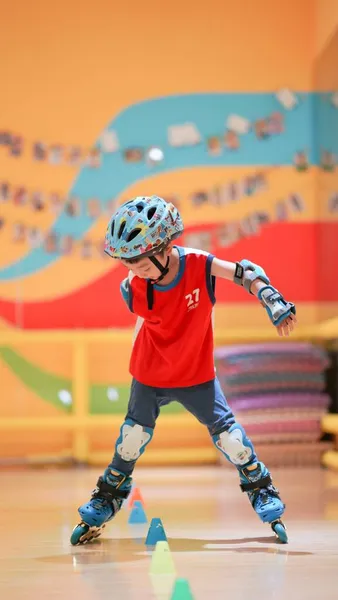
(247, 272)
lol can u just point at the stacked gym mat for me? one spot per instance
(276, 391)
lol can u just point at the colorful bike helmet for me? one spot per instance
(142, 227)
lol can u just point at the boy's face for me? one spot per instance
(144, 268)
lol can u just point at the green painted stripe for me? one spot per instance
(48, 386)
(45, 385)
(99, 403)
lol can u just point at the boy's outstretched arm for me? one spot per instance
(254, 279)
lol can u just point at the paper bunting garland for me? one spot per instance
(180, 135)
(55, 202)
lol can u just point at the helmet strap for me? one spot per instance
(163, 270)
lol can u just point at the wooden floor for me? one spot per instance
(217, 542)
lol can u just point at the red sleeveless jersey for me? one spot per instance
(174, 341)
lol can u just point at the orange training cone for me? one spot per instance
(135, 495)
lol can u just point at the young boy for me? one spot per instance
(171, 290)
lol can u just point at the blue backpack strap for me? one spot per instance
(210, 279)
(127, 293)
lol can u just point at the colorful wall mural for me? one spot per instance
(233, 108)
(326, 131)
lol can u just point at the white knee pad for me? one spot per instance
(132, 441)
(235, 445)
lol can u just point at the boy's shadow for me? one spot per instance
(105, 550)
(215, 545)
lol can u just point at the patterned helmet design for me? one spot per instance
(142, 226)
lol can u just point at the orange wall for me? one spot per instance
(326, 21)
(326, 80)
(68, 68)
(73, 66)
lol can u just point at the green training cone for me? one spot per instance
(162, 562)
(181, 590)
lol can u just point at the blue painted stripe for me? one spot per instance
(147, 123)
(325, 120)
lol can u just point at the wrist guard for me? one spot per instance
(275, 305)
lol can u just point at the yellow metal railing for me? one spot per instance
(80, 422)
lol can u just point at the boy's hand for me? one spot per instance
(287, 326)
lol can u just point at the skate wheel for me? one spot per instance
(82, 534)
(280, 531)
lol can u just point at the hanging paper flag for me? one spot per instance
(55, 154)
(185, 134)
(93, 158)
(198, 198)
(39, 151)
(238, 124)
(249, 185)
(56, 202)
(66, 244)
(281, 211)
(231, 140)
(296, 202)
(16, 145)
(327, 161)
(5, 138)
(35, 237)
(4, 191)
(263, 217)
(234, 191)
(72, 207)
(249, 226)
(287, 98)
(37, 201)
(262, 128)
(214, 145)
(51, 242)
(214, 196)
(109, 141)
(301, 161)
(275, 123)
(73, 156)
(20, 196)
(19, 232)
(133, 155)
(261, 182)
